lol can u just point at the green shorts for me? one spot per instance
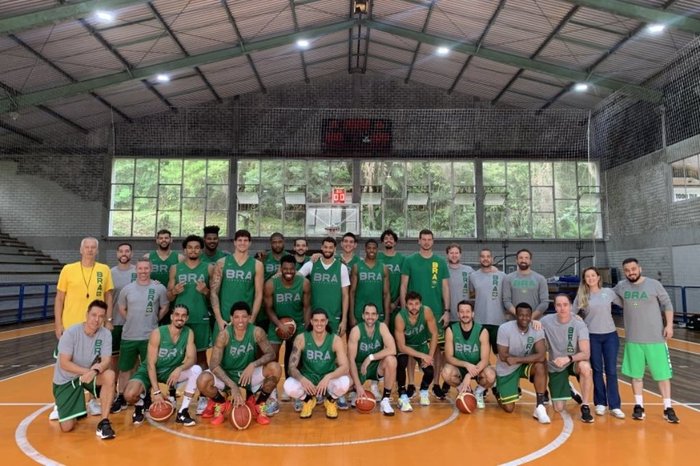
(559, 389)
(70, 398)
(141, 375)
(638, 355)
(116, 338)
(493, 334)
(372, 372)
(131, 349)
(202, 335)
(508, 384)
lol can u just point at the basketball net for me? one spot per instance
(332, 230)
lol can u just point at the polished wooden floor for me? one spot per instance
(427, 435)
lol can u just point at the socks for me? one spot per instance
(540, 399)
(186, 400)
(667, 403)
(639, 400)
(387, 393)
(479, 390)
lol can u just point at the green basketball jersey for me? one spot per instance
(317, 360)
(237, 284)
(238, 353)
(468, 350)
(370, 288)
(326, 291)
(289, 302)
(170, 354)
(394, 264)
(218, 254)
(349, 264)
(425, 276)
(160, 269)
(416, 334)
(368, 344)
(271, 265)
(196, 302)
(300, 264)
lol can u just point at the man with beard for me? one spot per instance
(525, 286)
(369, 283)
(487, 286)
(643, 300)
(211, 252)
(122, 274)
(459, 278)
(271, 259)
(393, 261)
(301, 246)
(162, 258)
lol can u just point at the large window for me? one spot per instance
(686, 178)
(182, 195)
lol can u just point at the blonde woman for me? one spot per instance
(593, 302)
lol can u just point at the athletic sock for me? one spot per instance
(667, 403)
(479, 390)
(639, 400)
(540, 399)
(186, 400)
(445, 387)
(402, 390)
(387, 393)
(219, 398)
(329, 397)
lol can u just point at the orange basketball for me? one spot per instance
(366, 403)
(466, 402)
(289, 326)
(161, 411)
(240, 417)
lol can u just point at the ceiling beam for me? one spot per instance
(20, 132)
(517, 61)
(67, 90)
(36, 19)
(301, 51)
(417, 49)
(642, 13)
(242, 44)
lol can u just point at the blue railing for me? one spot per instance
(681, 296)
(22, 302)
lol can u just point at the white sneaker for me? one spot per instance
(201, 404)
(353, 399)
(385, 407)
(541, 415)
(405, 404)
(284, 396)
(480, 400)
(374, 388)
(424, 398)
(617, 412)
(600, 410)
(94, 407)
(53, 416)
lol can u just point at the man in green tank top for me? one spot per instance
(211, 252)
(234, 366)
(163, 257)
(393, 261)
(318, 367)
(170, 360)
(271, 259)
(189, 285)
(369, 283)
(416, 335)
(238, 277)
(467, 352)
(301, 247)
(372, 352)
(348, 245)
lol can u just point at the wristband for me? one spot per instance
(571, 358)
(97, 372)
(447, 311)
(371, 357)
(157, 392)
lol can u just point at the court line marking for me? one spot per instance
(26, 372)
(687, 405)
(24, 404)
(23, 442)
(563, 436)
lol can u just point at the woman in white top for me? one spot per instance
(594, 303)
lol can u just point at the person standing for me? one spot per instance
(301, 246)
(525, 286)
(393, 261)
(122, 274)
(369, 283)
(163, 257)
(487, 286)
(459, 278)
(211, 252)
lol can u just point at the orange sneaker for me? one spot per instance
(220, 412)
(261, 417)
(209, 410)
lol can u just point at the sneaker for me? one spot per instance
(424, 398)
(104, 430)
(53, 415)
(308, 408)
(94, 407)
(496, 395)
(353, 398)
(220, 410)
(183, 417)
(271, 407)
(147, 401)
(575, 395)
(405, 404)
(670, 416)
(298, 405)
(586, 414)
(385, 407)
(332, 408)
(437, 391)
(600, 410)
(617, 412)
(541, 415)
(118, 405)
(172, 400)
(342, 404)
(374, 388)
(411, 391)
(202, 403)
(260, 415)
(137, 417)
(480, 404)
(208, 412)
(638, 413)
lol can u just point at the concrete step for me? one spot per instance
(29, 278)
(17, 250)
(13, 291)
(28, 303)
(28, 314)
(28, 268)
(26, 259)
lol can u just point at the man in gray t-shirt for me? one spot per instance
(569, 354)
(643, 301)
(525, 286)
(486, 284)
(122, 274)
(458, 280)
(84, 358)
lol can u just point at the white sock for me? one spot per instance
(639, 400)
(667, 403)
(273, 395)
(479, 390)
(186, 400)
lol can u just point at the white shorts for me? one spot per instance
(256, 380)
(336, 387)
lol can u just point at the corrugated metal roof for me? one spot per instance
(410, 16)
(321, 12)
(9, 8)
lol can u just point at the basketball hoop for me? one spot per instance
(332, 230)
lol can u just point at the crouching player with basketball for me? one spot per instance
(372, 350)
(170, 359)
(233, 365)
(467, 351)
(318, 367)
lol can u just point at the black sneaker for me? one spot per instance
(638, 413)
(104, 430)
(437, 391)
(575, 395)
(147, 401)
(138, 417)
(586, 414)
(118, 405)
(183, 417)
(670, 416)
(411, 391)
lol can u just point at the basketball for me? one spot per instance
(466, 402)
(161, 411)
(366, 403)
(240, 417)
(289, 325)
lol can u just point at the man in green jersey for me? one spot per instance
(372, 352)
(467, 354)
(170, 360)
(234, 366)
(211, 252)
(271, 258)
(393, 261)
(301, 247)
(369, 283)
(163, 257)
(318, 366)
(348, 245)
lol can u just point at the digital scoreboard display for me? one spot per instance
(356, 134)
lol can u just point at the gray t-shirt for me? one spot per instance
(142, 304)
(528, 288)
(562, 339)
(120, 278)
(459, 287)
(598, 313)
(83, 350)
(488, 288)
(642, 306)
(519, 344)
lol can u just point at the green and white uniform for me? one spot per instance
(238, 353)
(393, 263)
(271, 265)
(366, 345)
(160, 269)
(425, 277)
(417, 335)
(317, 360)
(370, 288)
(327, 285)
(562, 341)
(466, 345)
(218, 254)
(196, 302)
(171, 355)
(519, 344)
(237, 284)
(287, 302)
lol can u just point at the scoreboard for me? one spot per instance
(356, 134)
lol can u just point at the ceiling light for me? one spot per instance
(163, 78)
(581, 87)
(303, 43)
(104, 16)
(443, 51)
(656, 28)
